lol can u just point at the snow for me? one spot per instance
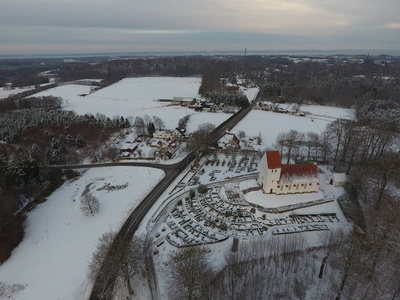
(269, 200)
(4, 93)
(250, 93)
(59, 240)
(270, 124)
(137, 97)
(328, 112)
(205, 117)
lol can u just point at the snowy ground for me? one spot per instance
(275, 222)
(51, 262)
(327, 112)
(270, 124)
(137, 97)
(4, 93)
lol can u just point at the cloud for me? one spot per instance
(392, 25)
(184, 24)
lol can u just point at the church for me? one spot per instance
(276, 178)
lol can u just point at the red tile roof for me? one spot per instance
(299, 171)
(273, 159)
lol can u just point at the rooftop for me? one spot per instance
(273, 159)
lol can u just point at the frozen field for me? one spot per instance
(4, 93)
(136, 97)
(51, 262)
(329, 112)
(270, 124)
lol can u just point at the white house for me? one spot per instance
(338, 179)
(277, 179)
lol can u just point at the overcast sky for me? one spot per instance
(82, 26)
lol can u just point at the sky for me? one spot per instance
(104, 26)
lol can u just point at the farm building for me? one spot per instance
(128, 147)
(337, 179)
(277, 179)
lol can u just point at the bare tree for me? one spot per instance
(288, 140)
(116, 257)
(385, 168)
(139, 125)
(199, 140)
(190, 273)
(348, 258)
(235, 270)
(89, 204)
(336, 132)
(241, 134)
(158, 122)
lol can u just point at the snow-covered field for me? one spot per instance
(51, 262)
(4, 93)
(137, 97)
(270, 124)
(329, 112)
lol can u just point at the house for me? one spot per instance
(276, 178)
(181, 100)
(128, 147)
(162, 134)
(338, 179)
(179, 133)
(228, 141)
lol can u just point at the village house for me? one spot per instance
(276, 178)
(128, 147)
(228, 141)
(162, 134)
(179, 133)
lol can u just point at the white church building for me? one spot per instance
(277, 179)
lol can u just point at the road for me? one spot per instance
(164, 167)
(130, 226)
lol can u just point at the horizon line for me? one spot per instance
(315, 52)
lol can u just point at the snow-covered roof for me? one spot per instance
(339, 177)
(299, 173)
(228, 139)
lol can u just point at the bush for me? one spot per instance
(228, 213)
(202, 189)
(224, 227)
